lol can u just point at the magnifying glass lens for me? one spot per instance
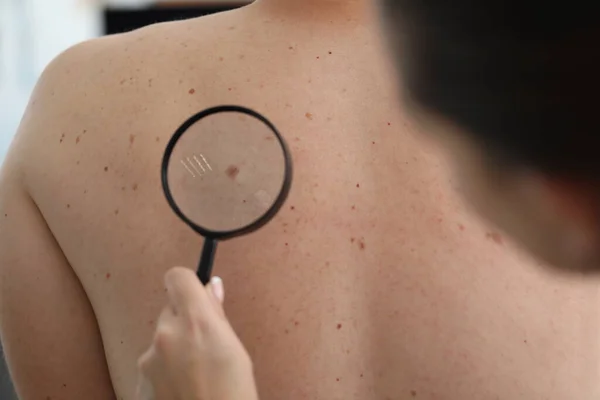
(226, 171)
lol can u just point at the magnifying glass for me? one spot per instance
(226, 172)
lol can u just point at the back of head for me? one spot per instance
(521, 78)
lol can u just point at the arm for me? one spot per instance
(48, 328)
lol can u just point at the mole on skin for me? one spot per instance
(232, 171)
(495, 237)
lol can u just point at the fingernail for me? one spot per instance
(217, 287)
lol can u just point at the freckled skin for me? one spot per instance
(426, 307)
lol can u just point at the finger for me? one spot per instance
(146, 362)
(166, 318)
(144, 390)
(166, 335)
(217, 288)
(186, 293)
(217, 291)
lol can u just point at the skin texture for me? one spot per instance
(373, 283)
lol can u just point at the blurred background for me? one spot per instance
(33, 32)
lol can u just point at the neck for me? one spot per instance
(331, 10)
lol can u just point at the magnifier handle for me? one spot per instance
(206, 260)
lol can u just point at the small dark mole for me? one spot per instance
(330, 52)
(296, 323)
(308, 116)
(389, 124)
(525, 341)
(77, 139)
(68, 206)
(318, 58)
(232, 171)
(105, 169)
(291, 47)
(116, 212)
(361, 375)
(244, 201)
(495, 237)
(337, 379)
(192, 91)
(64, 385)
(354, 207)
(135, 186)
(108, 276)
(373, 142)
(339, 326)
(150, 82)
(358, 185)
(413, 393)
(287, 331)
(85, 191)
(5, 215)
(292, 208)
(230, 89)
(157, 139)
(62, 137)
(352, 240)
(131, 138)
(361, 244)
(287, 244)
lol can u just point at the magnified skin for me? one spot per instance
(374, 282)
(232, 172)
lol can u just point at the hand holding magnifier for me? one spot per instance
(226, 172)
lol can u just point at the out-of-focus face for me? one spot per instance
(547, 219)
(554, 218)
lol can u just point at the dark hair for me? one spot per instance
(520, 77)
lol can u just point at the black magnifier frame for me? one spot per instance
(211, 238)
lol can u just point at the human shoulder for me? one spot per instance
(87, 89)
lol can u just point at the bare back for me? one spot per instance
(372, 283)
